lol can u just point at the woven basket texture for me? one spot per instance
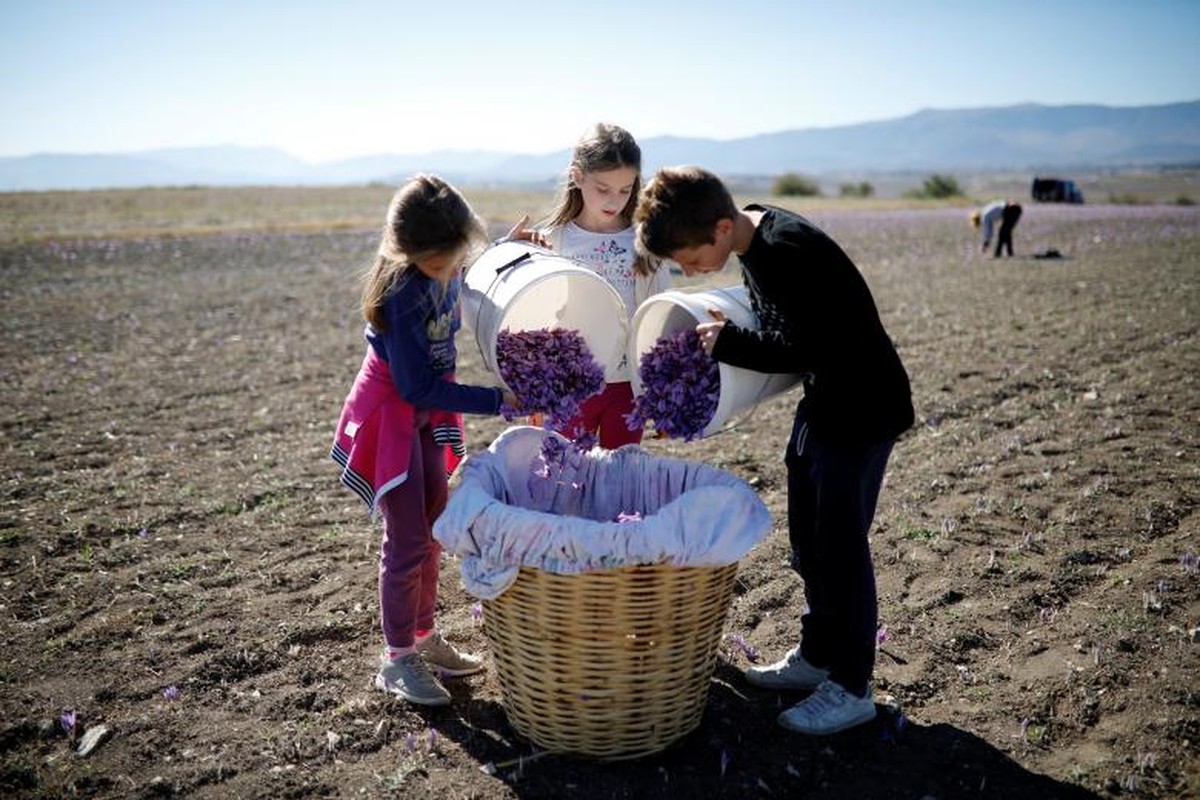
(613, 664)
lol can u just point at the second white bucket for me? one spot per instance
(517, 286)
(670, 311)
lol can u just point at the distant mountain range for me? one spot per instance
(1013, 138)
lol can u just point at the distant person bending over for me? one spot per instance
(1005, 213)
(816, 317)
(592, 223)
(1008, 220)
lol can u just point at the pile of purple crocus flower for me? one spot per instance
(681, 385)
(550, 370)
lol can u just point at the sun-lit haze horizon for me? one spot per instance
(326, 81)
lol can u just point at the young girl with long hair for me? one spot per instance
(592, 223)
(400, 431)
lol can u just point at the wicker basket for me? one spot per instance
(613, 664)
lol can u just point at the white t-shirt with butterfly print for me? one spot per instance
(610, 255)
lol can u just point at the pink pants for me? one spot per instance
(605, 412)
(408, 557)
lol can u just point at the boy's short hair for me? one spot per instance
(679, 208)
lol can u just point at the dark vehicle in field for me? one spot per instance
(1056, 190)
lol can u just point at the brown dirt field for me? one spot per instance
(179, 565)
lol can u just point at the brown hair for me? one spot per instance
(426, 216)
(680, 208)
(604, 147)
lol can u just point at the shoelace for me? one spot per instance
(436, 647)
(418, 671)
(827, 696)
(435, 641)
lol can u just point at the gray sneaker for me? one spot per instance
(410, 678)
(791, 672)
(450, 662)
(828, 710)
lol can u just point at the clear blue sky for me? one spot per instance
(325, 80)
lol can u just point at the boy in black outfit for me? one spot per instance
(816, 317)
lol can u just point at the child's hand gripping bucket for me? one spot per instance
(517, 286)
(670, 311)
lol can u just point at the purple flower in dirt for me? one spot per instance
(477, 612)
(1190, 563)
(681, 386)
(433, 739)
(747, 649)
(68, 720)
(881, 635)
(171, 692)
(410, 743)
(551, 371)
(893, 727)
(143, 533)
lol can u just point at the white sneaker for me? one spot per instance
(410, 678)
(450, 661)
(827, 710)
(791, 672)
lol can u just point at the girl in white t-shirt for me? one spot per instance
(592, 223)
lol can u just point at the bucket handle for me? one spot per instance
(519, 259)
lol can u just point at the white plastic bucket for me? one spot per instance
(667, 312)
(516, 286)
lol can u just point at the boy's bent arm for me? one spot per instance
(761, 351)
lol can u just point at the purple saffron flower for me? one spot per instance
(554, 456)
(585, 440)
(67, 721)
(681, 386)
(410, 743)
(894, 727)
(171, 692)
(748, 650)
(881, 635)
(477, 612)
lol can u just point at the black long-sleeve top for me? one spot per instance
(818, 318)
